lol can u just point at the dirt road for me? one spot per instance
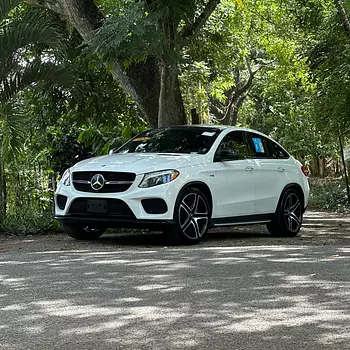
(320, 228)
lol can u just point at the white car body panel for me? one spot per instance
(230, 197)
(140, 163)
(235, 191)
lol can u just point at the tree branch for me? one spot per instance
(140, 80)
(246, 86)
(343, 17)
(238, 95)
(191, 30)
(54, 6)
(84, 15)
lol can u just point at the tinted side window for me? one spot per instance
(259, 145)
(237, 142)
(276, 151)
(265, 148)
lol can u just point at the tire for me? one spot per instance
(192, 215)
(289, 215)
(82, 233)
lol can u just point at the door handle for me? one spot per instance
(281, 170)
(249, 168)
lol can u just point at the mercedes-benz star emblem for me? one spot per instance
(97, 182)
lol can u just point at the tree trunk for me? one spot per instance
(3, 192)
(321, 167)
(195, 117)
(142, 80)
(314, 167)
(343, 16)
(171, 108)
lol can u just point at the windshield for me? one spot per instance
(172, 140)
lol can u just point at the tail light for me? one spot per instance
(304, 170)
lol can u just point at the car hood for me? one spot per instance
(139, 163)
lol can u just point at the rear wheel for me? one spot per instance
(191, 215)
(289, 215)
(82, 232)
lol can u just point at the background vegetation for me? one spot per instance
(68, 92)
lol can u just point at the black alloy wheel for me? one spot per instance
(293, 212)
(289, 215)
(192, 215)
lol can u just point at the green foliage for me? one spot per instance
(129, 32)
(30, 221)
(17, 35)
(101, 139)
(87, 118)
(12, 130)
(21, 29)
(134, 31)
(329, 194)
(294, 96)
(29, 197)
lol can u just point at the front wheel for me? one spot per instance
(82, 232)
(191, 215)
(289, 215)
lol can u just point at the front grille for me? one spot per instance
(114, 181)
(115, 207)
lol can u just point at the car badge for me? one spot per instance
(97, 182)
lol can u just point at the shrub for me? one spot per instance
(328, 194)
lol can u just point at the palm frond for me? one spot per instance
(6, 6)
(34, 72)
(35, 27)
(13, 128)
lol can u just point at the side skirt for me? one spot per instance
(242, 220)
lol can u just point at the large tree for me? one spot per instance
(151, 79)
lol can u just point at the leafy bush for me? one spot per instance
(29, 200)
(28, 221)
(329, 194)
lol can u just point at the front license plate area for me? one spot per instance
(97, 206)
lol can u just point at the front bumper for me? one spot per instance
(109, 222)
(132, 198)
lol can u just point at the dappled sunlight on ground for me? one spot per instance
(161, 298)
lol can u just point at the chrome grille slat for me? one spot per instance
(107, 182)
(114, 181)
(119, 182)
(82, 182)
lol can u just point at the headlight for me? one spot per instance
(158, 178)
(66, 178)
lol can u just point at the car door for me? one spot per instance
(231, 180)
(270, 172)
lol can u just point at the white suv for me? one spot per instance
(184, 180)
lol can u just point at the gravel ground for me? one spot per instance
(319, 228)
(238, 289)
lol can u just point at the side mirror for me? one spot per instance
(226, 154)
